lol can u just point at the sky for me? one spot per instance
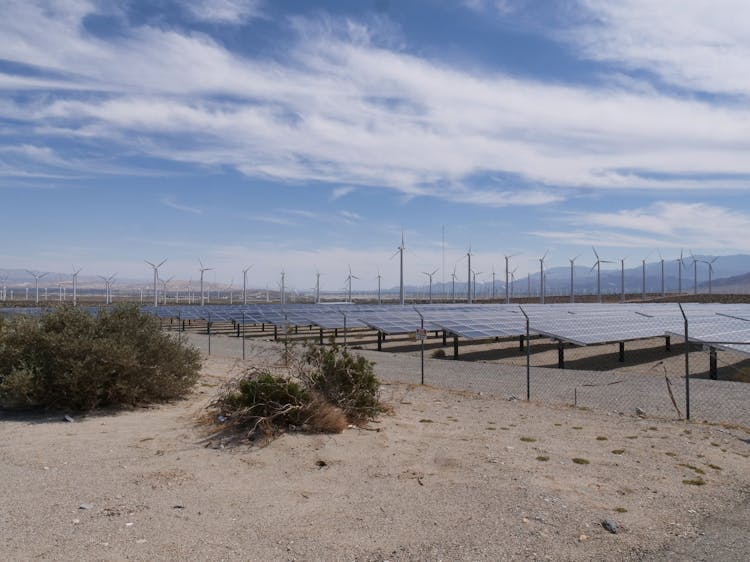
(308, 136)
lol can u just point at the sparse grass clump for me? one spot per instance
(542, 458)
(601, 438)
(618, 451)
(68, 359)
(693, 468)
(694, 482)
(326, 390)
(621, 510)
(528, 439)
(578, 460)
(438, 353)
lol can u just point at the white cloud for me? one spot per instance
(701, 45)
(345, 111)
(339, 192)
(224, 11)
(172, 204)
(663, 224)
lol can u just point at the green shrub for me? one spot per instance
(438, 353)
(345, 380)
(68, 359)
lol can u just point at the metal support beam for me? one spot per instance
(275, 333)
(455, 347)
(621, 357)
(713, 364)
(668, 343)
(520, 342)
(321, 336)
(444, 336)
(380, 340)
(560, 355)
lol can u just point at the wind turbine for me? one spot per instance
(710, 264)
(622, 279)
(453, 285)
(695, 273)
(468, 277)
(661, 259)
(4, 293)
(572, 286)
(643, 291)
(107, 285)
(75, 283)
(598, 266)
(493, 284)
(541, 277)
(282, 296)
(379, 277)
(244, 283)
(164, 283)
(349, 284)
(400, 251)
(679, 276)
(430, 276)
(203, 270)
(507, 260)
(317, 287)
(475, 273)
(37, 276)
(513, 281)
(156, 280)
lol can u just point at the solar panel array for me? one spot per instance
(727, 325)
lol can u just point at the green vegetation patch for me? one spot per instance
(67, 359)
(528, 439)
(578, 460)
(542, 458)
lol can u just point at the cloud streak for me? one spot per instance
(343, 109)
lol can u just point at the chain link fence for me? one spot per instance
(705, 377)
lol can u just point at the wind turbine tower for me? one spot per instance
(37, 276)
(244, 283)
(203, 270)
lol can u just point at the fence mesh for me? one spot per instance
(647, 376)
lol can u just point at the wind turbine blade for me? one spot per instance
(597, 255)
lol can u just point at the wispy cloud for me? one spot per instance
(172, 204)
(701, 45)
(347, 109)
(224, 11)
(339, 192)
(663, 224)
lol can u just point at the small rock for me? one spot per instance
(86, 506)
(76, 521)
(640, 412)
(68, 419)
(583, 538)
(141, 541)
(128, 524)
(221, 419)
(611, 526)
(512, 398)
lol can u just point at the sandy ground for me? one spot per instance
(446, 476)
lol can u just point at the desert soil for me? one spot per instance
(445, 476)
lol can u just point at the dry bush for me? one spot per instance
(323, 390)
(68, 359)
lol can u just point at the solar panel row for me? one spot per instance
(582, 324)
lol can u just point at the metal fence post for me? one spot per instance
(421, 319)
(687, 364)
(209, 333)
(528, 356)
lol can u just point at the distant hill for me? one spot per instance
(735, 285)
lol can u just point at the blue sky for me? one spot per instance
(306, 135)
